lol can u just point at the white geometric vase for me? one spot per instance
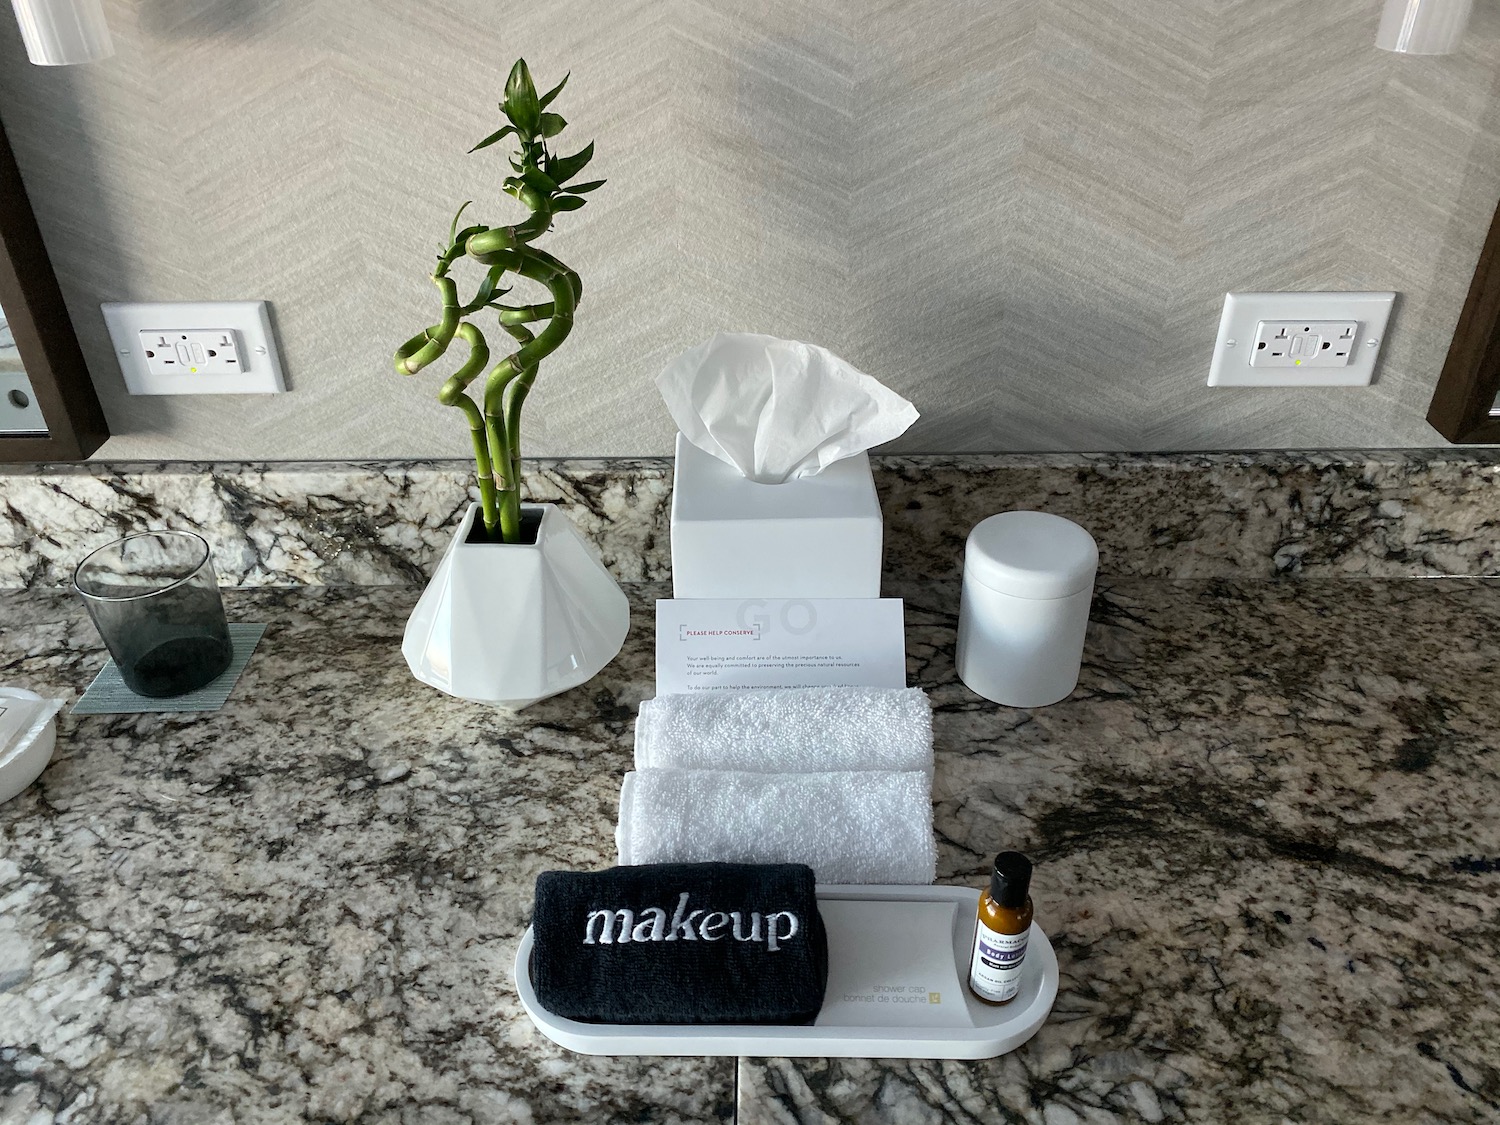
(512, 623)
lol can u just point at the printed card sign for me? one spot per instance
(734, 644)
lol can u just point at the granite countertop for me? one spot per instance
(1265, 828)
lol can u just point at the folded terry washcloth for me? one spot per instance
(851, 827)
(680, 943)
(801, 730)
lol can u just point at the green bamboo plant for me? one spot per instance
(542, 184)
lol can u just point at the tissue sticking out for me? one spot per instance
(778, 409)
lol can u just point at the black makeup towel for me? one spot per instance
(680, 943)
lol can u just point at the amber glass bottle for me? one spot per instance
(1000, 936)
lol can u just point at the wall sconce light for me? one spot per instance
(1423, 27)
(62, 32)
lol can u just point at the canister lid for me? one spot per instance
(1031, 555)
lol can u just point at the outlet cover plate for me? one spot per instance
(1244, 313)
(248, 323)
(19, 413)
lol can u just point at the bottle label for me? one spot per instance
(995, 969)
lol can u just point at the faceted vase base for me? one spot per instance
(511, 623)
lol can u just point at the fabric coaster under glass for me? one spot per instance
(108, 695)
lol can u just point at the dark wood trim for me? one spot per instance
(44, 334)
(1466, 389)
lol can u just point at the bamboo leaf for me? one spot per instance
(552, 93)
(580, 189)
(567, 203)
(453, 226)
(486, 290)
(519, 81)
(498, 135)
(539, 180)
(564, 168)
(552, 124)
(521, 103)
(467, 233)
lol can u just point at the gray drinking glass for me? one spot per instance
(155, 601)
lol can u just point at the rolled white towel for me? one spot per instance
(849, 827)
(800, 730)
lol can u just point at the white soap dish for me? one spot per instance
(23, 760)
(898, 960)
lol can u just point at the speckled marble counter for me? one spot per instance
(1267, 829)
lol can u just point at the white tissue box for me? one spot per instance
(812, 537)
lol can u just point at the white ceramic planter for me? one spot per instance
(511, 623)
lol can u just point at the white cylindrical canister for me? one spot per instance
(1028, 581)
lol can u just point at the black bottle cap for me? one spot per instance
(1011, 881)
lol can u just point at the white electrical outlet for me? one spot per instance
(1294, 343)
(195, 347)
(171, 352)
(1299, 339)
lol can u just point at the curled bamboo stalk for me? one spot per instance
(543, 184)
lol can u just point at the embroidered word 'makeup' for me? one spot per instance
(619, 927)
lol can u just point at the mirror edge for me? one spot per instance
(44, 334)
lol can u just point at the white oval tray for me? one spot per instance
(898, 968)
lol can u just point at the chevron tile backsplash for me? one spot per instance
(1022, 214)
